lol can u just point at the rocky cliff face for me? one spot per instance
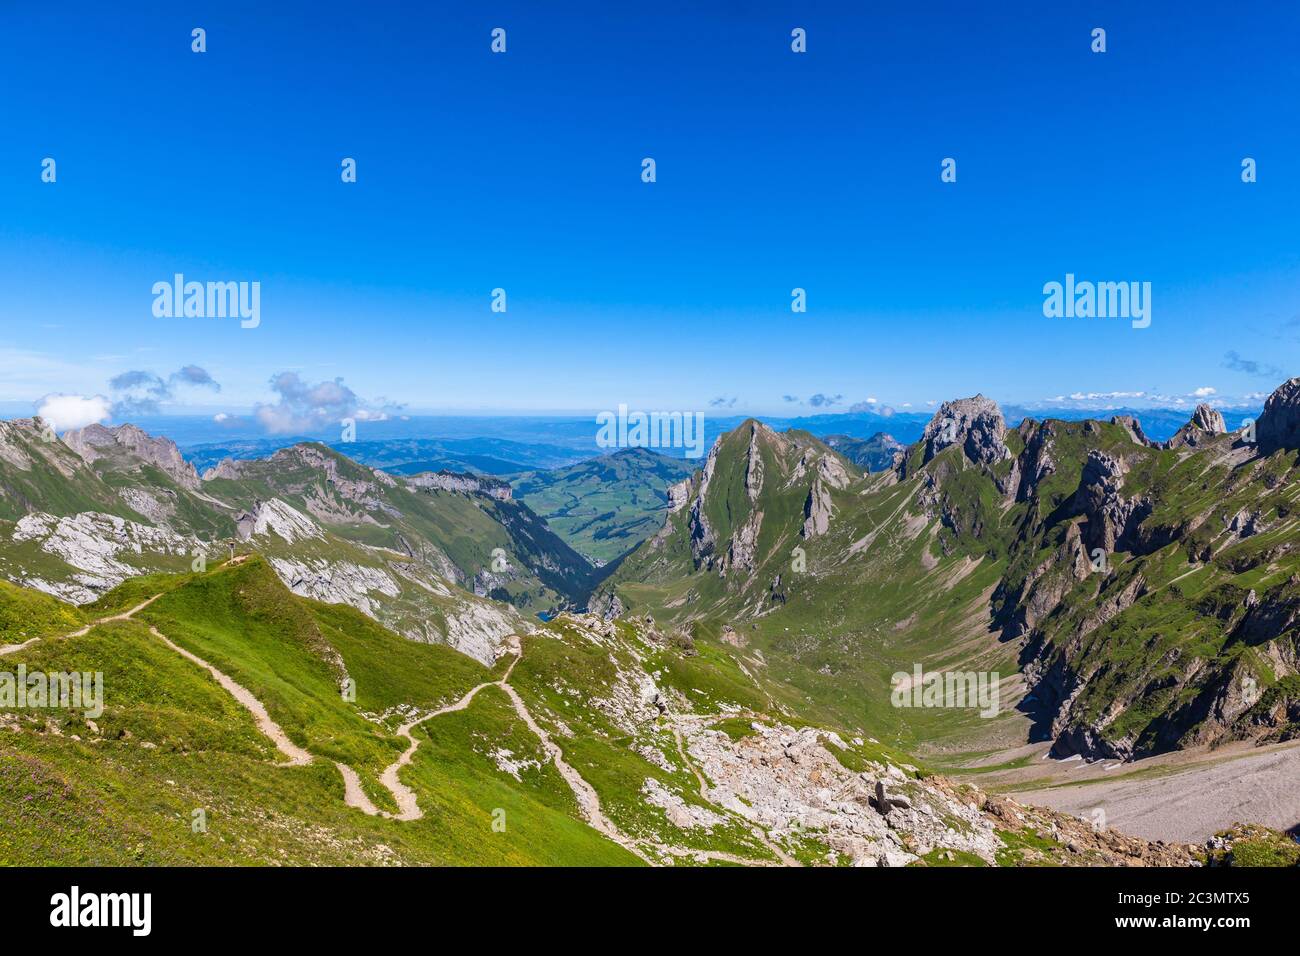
(1279, 423)
(464, 484)
(97, 441)
(1110, 519)
(974, 424)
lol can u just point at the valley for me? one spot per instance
(628, 661)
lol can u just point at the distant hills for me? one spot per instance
(606, 506)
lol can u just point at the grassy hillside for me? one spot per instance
(122, 789)
(986, 566)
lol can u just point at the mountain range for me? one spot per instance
(630, 660)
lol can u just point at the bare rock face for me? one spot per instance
(702, 537)
(1111, 518)
(464, 484)
(100, 549)
(1037, 462)
(276, 517)
(974, 424)
(27, 443)
(753, 466)
(1210, 420)
(742, 552)
(607, 605)
(679, 495)
(96, 441)
(816, 510)
(1204, 423)
(1134, 429)
(1279, 423)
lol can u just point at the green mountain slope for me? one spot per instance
(593, 743)
(606, 506)
(1132, 598)
(438, 557)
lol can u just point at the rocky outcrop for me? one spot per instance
(679, 495)
(1110, 519)
(1036, 462)
(275, 517)
(606, 605)
(832, 472)
(742, 552)
(1134, 429)
(1205, 423)
(1279, 423)
(336, 582)
(30, 443)
(463, 484)
(817, 510)
(98, 441)
(974, 424)
(702, 539)
(1209, 420)
(94, 546)
(754, 466)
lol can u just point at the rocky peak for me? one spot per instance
(26, 443)
(975, 424)
(1208, 419)
(1205, 422)
(1279, 423)
(1131, 425)
(98, 441)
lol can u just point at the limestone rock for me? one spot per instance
(1279, 423)
(974, 424)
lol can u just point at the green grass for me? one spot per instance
(122, 789)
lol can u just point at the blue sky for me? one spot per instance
(775, 170)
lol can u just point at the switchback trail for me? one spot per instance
(407, 802)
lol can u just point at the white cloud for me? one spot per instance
(73, 411)
(1098, 396)
(1204, 392)
(220, 417)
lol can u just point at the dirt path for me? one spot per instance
(408, 806)
(354, 794)
(588, 799)
(81, 632)
(297, 756)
